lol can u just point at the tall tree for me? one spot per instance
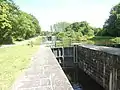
(82, 27)
(5, 23)
(26, 26)
(112, 25)
(16, 24)
(36, 25)
(60, 26)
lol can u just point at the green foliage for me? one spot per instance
(112, 25)
(16, 24)
(60, 35)
(65, 42)
(116, 40)
(98, 31)
(105, 40)
(81, 27)
(26, 26)
(59, 27)
(5, 26)
(76, 31)
(37, 40)
(82, 30)
(47, 33)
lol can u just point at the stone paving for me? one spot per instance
(44, 73)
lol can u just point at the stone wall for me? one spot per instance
(101, 66)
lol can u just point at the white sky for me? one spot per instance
(49, 12)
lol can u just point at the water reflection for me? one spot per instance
(72, 75)
(93, 42)
(80, 80)
(77, 86)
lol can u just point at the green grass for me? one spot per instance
(37, 40)
(101, 38)
(13, 60)
(106, 40)
(66, 42)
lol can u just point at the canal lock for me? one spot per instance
(77, 77)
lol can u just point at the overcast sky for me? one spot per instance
(49, 12)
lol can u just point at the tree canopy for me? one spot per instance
(83, 28)
(112, 25)
(16, 24)
(60, 26)
(75, 30)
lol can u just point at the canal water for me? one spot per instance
(103, 42)
(80, 80)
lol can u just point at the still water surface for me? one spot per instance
(80, 80)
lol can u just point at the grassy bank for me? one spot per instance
(35, 41)
(97, 40)
(12, 61)
(106, 40)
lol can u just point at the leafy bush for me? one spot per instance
(116, 40)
